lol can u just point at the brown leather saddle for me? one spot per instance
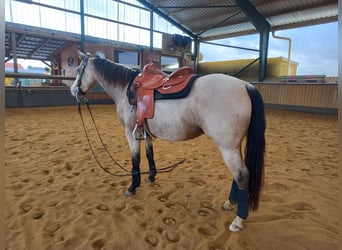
(150, 80)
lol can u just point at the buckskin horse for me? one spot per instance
(225, 108)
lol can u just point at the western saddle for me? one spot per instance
(149, 80)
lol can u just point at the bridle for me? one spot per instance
(79, 82)
(81, 93)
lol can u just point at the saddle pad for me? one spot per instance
(182, 94)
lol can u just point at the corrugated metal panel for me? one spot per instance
(304, 15)
(281, 14)
(33, 47)
(236, 29)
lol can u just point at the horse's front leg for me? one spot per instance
(150, 158)
(135, 153)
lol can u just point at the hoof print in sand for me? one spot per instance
(151, 240)
(172, 236)
(24, 208)
(98, 244)
(204, 212)
(52, 228)
(38, 214)
(207, 230)
(302, 206)
(102, 207)
(169, 221)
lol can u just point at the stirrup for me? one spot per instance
(139, 133)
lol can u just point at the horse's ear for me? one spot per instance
(81, 55)
(100, 54)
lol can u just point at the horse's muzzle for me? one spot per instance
(77, 93)
(74, 90)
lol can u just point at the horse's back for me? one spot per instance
(215, 87)
(217, 105)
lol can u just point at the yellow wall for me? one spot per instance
(8, 81)
(276, 67)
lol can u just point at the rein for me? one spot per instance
(161, 170)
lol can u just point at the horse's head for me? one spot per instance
(84, 80)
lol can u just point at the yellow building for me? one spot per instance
(276, 67)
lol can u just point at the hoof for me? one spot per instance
(236, 225)
(128, 193)
(227, 205)
(150, 179)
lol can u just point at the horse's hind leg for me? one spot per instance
(239, 188)
(150, 158)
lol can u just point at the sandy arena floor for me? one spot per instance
(58, 198)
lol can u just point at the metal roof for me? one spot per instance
(217, 19)
(33, 47)
(35, 43)
(207, 20)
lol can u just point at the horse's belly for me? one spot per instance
(174, 120)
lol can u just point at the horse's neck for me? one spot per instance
(116, 90)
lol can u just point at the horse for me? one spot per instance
(225, 108)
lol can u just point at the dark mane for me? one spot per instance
(113, 72)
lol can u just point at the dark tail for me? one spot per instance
(255, 147)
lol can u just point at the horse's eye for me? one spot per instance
(78, 70)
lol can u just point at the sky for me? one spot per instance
(315, 48)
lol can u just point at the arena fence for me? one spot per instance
(54, 94)
(305, 97)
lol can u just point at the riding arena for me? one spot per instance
(126, 145)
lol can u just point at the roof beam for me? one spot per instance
(254, 15)
(23, 29)
(38, 48)
(230, 46)
(263, 27)
(168, 18)
(196, 7)
(219, 23)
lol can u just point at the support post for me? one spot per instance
(82, 25)
(14, 53)
(194, 57)
(264, 37)
(151, 31)
(261, 24)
